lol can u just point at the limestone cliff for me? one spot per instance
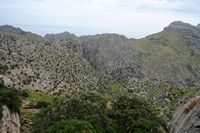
(10, 122)
(187, 118)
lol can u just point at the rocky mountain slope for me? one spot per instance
(111, 54)
(164, 67)
(172, 55)
(33, 62)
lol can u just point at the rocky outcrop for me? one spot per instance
(60, 35)
(12, 30)
(66, 62)
(10, 122)
(181, 27)
(187, 118)
(110, 54)
(171, 56)
(44, 64)
(6, 81)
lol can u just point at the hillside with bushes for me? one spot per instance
(100, 83)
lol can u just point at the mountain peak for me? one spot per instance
(178, 23)
(198, 25)
(60, 35)
(12, 30)
(179, 26)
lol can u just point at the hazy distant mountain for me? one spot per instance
(60, 35)
(12, 30)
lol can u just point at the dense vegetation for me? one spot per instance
(11, 98)
(94, 112)
(34, 102)
(71, 126)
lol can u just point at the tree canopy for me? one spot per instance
(98, 113)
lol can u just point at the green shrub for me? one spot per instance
(34, 96)
(23, 93)
(143, 126)
(10, 98)
(41, 104)
(134, 114)
(90, 107)
(125, 113)
(71, 126)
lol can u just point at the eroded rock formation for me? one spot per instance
(10, 122)
(187, 118)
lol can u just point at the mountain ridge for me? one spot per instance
(163, 67)
(114, 55)
(67, 33)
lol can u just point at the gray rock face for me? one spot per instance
(12, 30)
(161, 57)
(64, 40)
(182, 27)
(60, 35)
(6, 81)
(39, 64)
(186, 119)
(65, 61)
(10, 122)
(110, 54)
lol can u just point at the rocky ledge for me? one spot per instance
(187, 118)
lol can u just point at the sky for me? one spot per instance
(132, 18)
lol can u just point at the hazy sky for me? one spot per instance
(133, 18)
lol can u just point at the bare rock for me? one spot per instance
(10, 122)
(186, 119)
(181, 27)
(6, 81)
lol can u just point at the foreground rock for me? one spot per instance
(187, 118)
(10, 122)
